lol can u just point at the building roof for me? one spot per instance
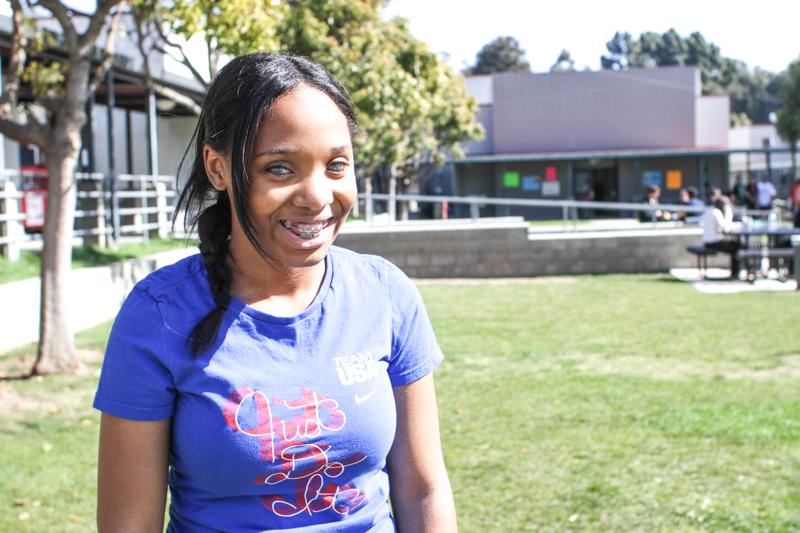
(609, 154)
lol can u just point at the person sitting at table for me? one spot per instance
(715, 224)
(654, 214)
(690, 197)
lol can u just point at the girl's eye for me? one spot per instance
(278, 170)
(337, 167)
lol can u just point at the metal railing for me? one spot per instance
(570, 210)
(138, 207)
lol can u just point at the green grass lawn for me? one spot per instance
(593, 403)
(27, 266)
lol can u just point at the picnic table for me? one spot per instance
(764, 242)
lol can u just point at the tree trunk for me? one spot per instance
(56, 345)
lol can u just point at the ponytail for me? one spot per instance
(214, 227)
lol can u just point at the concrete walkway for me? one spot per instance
(94, 295)
(717, 282)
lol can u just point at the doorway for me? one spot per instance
(596, 185)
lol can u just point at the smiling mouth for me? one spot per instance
(307, 231)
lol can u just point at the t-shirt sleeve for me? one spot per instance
(415, 352)
(135, 381)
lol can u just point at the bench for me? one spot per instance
(751, 257)
(702, 254)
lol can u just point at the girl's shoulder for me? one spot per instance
(167, 279)
(366, 269)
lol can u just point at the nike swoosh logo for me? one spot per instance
(361, 399)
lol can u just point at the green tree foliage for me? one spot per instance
(564, 62)
(229, 27)
(788, 124)
(503, 54)
(618, 49)
(413, 109)
(754, 94)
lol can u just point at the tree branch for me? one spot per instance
(63, 17)
(176, 96)
(141, 36)
(184, 59)
(108, 52)
(96, 23)
(30, 132)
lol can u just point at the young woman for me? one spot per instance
(273, 382)
(716, 221)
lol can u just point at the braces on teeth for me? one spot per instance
(307, 231)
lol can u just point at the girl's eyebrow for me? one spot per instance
(292, 151)
(277, 151)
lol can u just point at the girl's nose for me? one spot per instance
(315, 192)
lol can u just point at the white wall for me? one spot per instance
(11, 153)
(753, 137)
(712, 121)
(480, 87)
(139, 139)
(100, 138)
(174, 134)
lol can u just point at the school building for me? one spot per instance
(600, 135)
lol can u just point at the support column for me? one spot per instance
(152, 134)
(767, 154)
(368, 207)
(392, 196)
(747, 165)
(87, 137)
(112, 168)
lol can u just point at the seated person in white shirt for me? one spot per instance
(715, 223)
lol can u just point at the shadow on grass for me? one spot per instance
(17, 364)
(667, 278)
(17, 377)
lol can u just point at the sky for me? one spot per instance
(761, 33)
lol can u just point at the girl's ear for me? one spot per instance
(216, 168)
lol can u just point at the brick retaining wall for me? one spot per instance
(507, 250)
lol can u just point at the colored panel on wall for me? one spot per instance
(551, 188)
(511, 179)
(651, 177)
(531, 183)
(674, 179)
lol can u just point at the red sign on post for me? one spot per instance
(34, 205)
(34, 197)
(550, 174)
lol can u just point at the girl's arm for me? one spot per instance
(132, 475)
(420, 490)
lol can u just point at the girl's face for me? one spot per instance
(302, 181)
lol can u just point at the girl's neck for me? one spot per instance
(273, 288)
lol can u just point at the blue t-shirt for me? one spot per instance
(284, 423)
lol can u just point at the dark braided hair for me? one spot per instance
(237, 100)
